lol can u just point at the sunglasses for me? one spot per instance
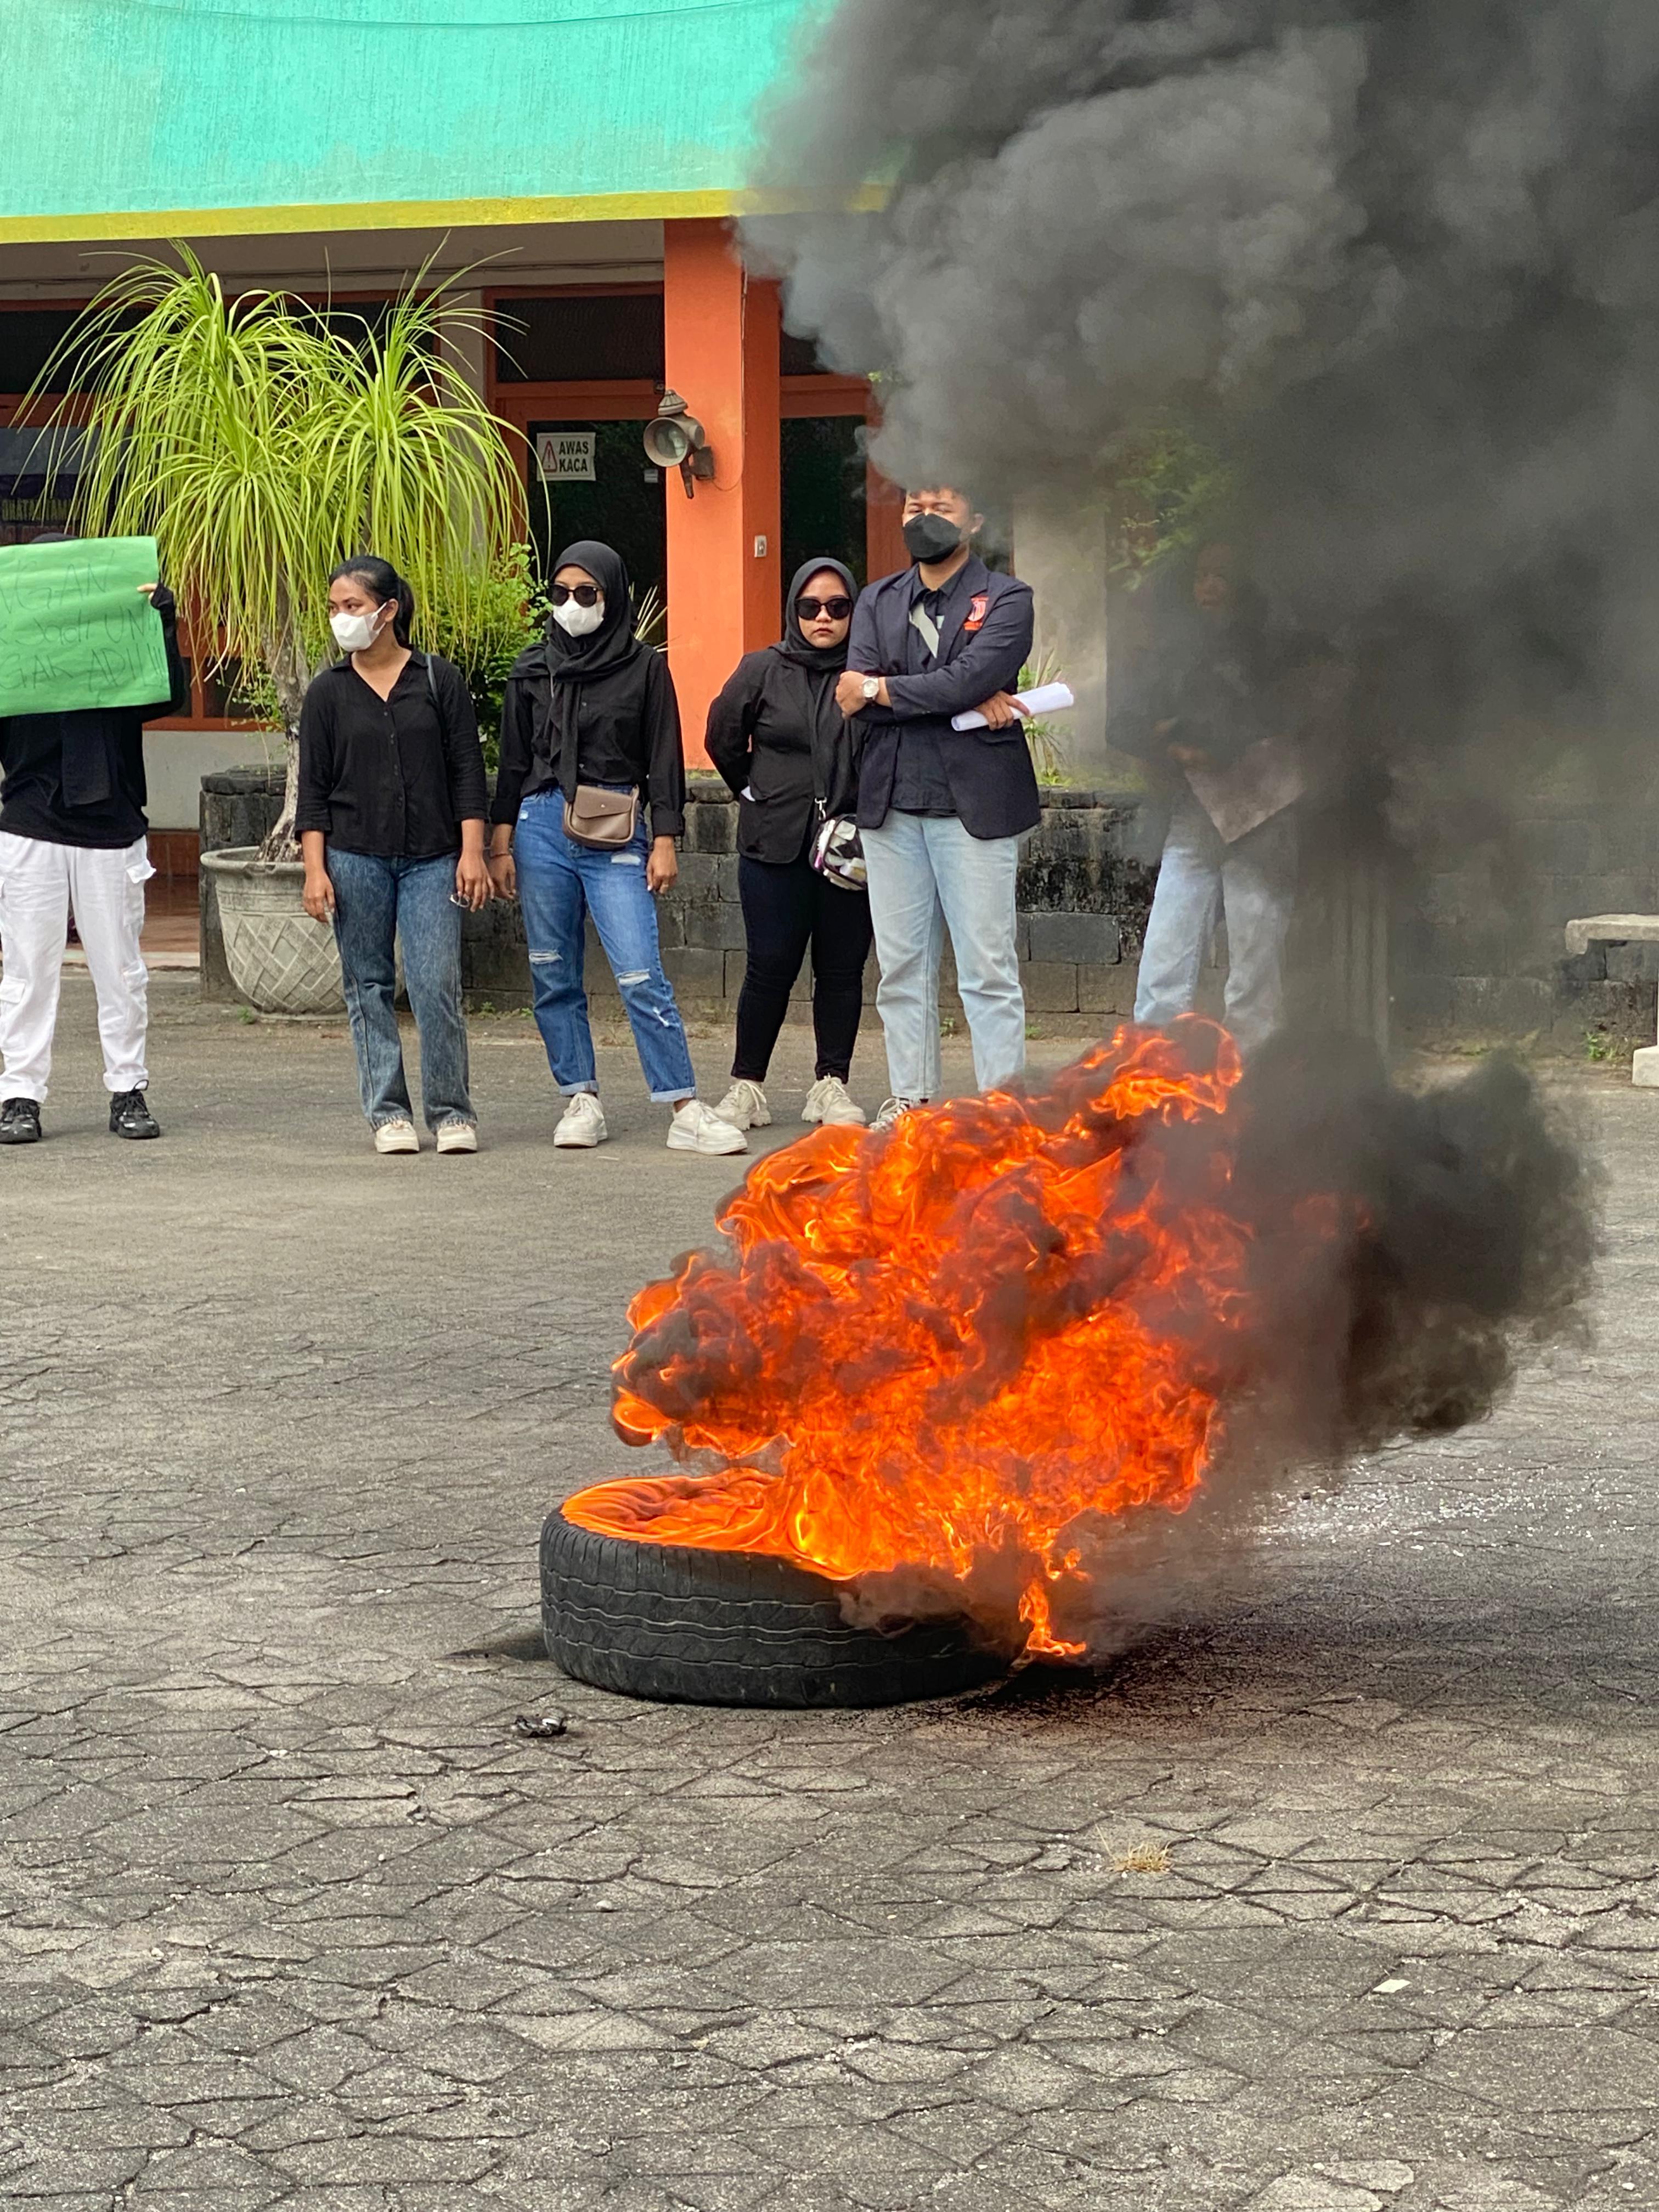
(837, 609)
(584, 595)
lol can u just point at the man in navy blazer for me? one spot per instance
(942, 810)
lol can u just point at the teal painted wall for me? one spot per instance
(142, 105)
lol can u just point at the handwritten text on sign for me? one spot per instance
(75, 629)
(565, 456)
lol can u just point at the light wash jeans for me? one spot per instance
(1253, 881)
(926, 872)
(377, 903)
(559, 884)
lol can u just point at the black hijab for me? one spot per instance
(828, 659)
(613, 645)
(597, 700)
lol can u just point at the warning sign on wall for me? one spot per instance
(565, 456)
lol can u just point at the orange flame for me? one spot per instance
(971, 1340)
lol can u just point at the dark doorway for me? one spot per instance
(620, 503)
(823, 492)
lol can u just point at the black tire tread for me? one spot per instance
(730, 1628)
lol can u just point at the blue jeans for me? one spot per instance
(559, 884)
(1253, 881)
(926, 873)
(378, 902)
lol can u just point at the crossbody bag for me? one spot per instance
(605, 821)
(837, 852)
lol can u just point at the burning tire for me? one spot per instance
(730, 1628)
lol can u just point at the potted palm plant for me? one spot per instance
(260, 440)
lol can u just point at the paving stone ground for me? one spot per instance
(291, 1917)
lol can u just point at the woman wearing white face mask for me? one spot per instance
(590, 798)
(391, 820)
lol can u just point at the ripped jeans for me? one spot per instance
(559, 884)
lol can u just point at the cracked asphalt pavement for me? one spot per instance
(1336, 1895)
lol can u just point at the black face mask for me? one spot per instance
(931, 537)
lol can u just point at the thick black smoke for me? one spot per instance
(1395, 263)
(1469, 1235)
(1398, 260)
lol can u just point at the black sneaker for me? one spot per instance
(19, 1121)
(128, 1116)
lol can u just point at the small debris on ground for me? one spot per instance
(1141, 1858)
(540, 1727)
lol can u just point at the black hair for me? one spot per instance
(382, 579)
(962, 491)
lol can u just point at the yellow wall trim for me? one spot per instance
(363, 215)
(393, 214)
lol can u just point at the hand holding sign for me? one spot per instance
(76, 627)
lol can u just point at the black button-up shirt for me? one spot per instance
(394, 777)
(627, 733)
(34, 802)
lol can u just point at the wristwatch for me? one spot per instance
(872, 690)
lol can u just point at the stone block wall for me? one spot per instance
(1476, 945)
(1083, 900)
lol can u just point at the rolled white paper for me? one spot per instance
(1046, 699)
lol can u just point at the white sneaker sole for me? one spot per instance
(579, 1141)
(392, 1139)
(457, 1140)
(714, 1149)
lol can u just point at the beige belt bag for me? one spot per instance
(604, 819)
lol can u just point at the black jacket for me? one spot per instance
(394, 777)
(777, 732)
(983, 645)
(109, 742)
(626, 726)
(1212, 682)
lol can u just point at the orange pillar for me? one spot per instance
(724, 561)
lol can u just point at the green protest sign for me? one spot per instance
(75, 629)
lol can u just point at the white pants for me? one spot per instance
(38, 883)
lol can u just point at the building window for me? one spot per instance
(29, 338)
(581, 338)
(824, 492)
(799, 357)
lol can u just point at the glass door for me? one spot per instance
(593, 480)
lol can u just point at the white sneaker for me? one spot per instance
(581, 1126)
(831, 1101)
(699, 1128)
(457, 1136)
(895, 1110)
(397, 1137)
(744, 1106)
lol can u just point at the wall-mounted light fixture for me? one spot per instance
(678, 440)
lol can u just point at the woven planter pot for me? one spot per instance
(280, 959)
